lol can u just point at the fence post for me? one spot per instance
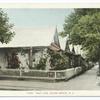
(55, 76)
(20, 71)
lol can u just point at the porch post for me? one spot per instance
(30, 57)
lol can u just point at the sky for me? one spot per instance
(28, 17)
(39, 23)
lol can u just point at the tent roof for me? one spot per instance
(33, 37)
(26, 37)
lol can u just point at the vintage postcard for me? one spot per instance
(49, 49)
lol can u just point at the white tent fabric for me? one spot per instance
(27, 37)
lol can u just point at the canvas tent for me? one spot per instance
(30, 37)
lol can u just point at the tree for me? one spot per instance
(6, 32)
(83, 27)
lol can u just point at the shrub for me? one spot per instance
(58, 60)
(41, 65)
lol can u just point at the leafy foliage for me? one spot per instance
(58, 60)
(42, 64)
(5, 28)
(83, 27)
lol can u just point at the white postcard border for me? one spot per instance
(50, 92)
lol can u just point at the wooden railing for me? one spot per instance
(41, 74)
